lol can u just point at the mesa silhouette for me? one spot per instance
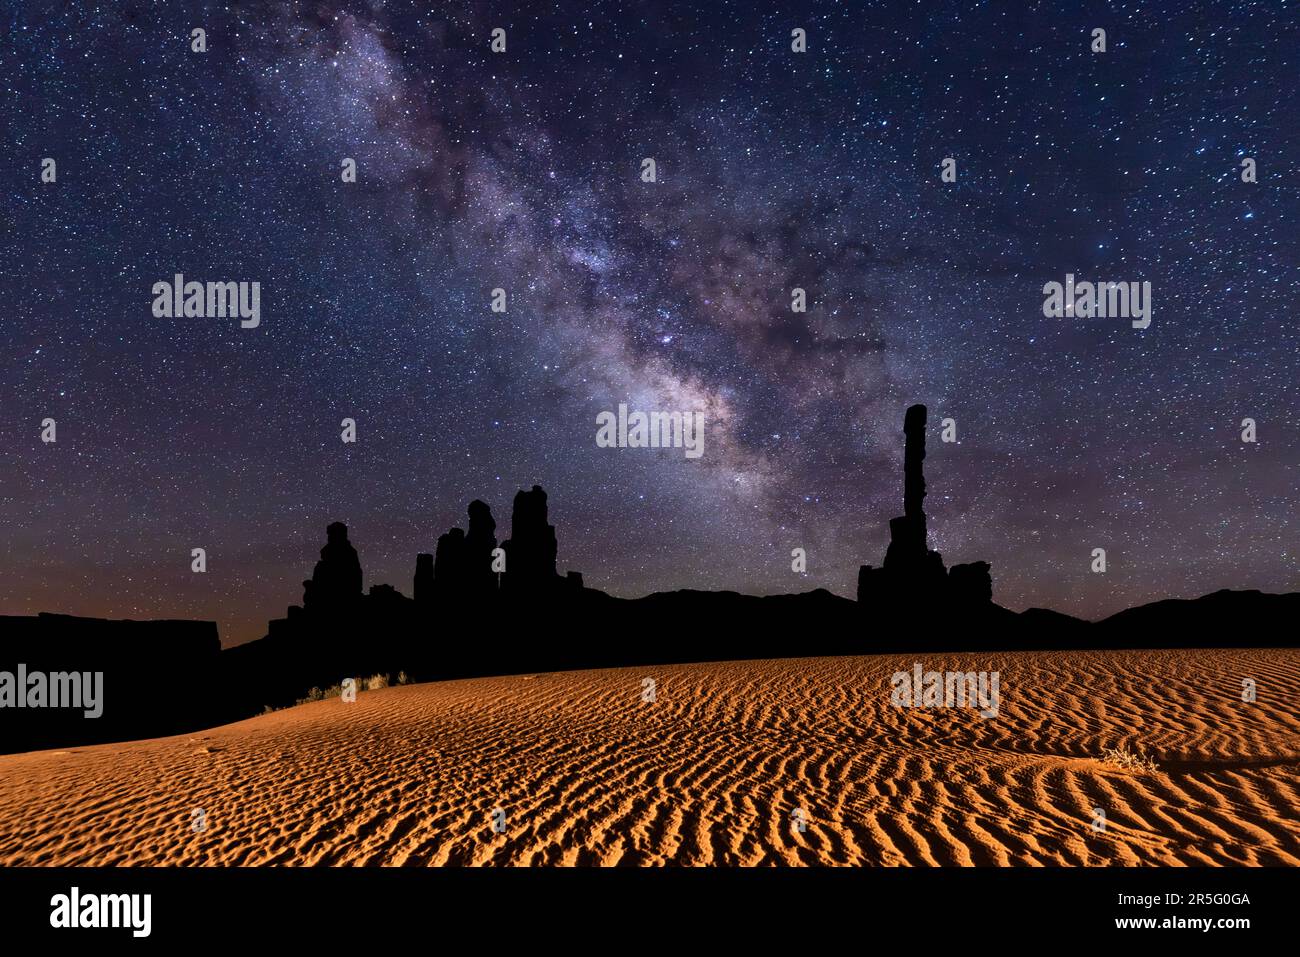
(465, 619)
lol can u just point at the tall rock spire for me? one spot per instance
(908, 547)
(913, 577)
(913, 465)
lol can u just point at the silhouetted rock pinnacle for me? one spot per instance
(336, 579)
(913, 466)
(913, 580)
(462, 566)
(909, 555)
(449, 565)
(530, 551)
(423, 585)
(480, 542)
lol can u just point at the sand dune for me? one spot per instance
(717, 770)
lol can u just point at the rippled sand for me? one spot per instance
(718, 769)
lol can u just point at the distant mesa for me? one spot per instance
(913, 576)
(158, 677)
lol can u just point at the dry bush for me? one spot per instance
(1129, 761)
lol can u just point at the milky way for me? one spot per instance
(522, 171)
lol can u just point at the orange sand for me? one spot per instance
(710, 773)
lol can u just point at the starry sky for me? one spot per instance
(522, 170)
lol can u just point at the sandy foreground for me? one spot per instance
(796, 761)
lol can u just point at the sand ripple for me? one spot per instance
(720, 769)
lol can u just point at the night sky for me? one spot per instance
(522, 170)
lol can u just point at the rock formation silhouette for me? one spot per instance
(336, 580)
(170, 677)
(913, 580)
(422, 587)
(480, 542)
(531, 548)
(914, 466)
(970, 584)
(450, 566)
(462, 566)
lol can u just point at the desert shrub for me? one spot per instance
(316, 694)
(1130, 761)
(373, 683)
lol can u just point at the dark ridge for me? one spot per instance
(481, 609)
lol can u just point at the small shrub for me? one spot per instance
(316, 694)
(1129, 761)
(373, 683)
